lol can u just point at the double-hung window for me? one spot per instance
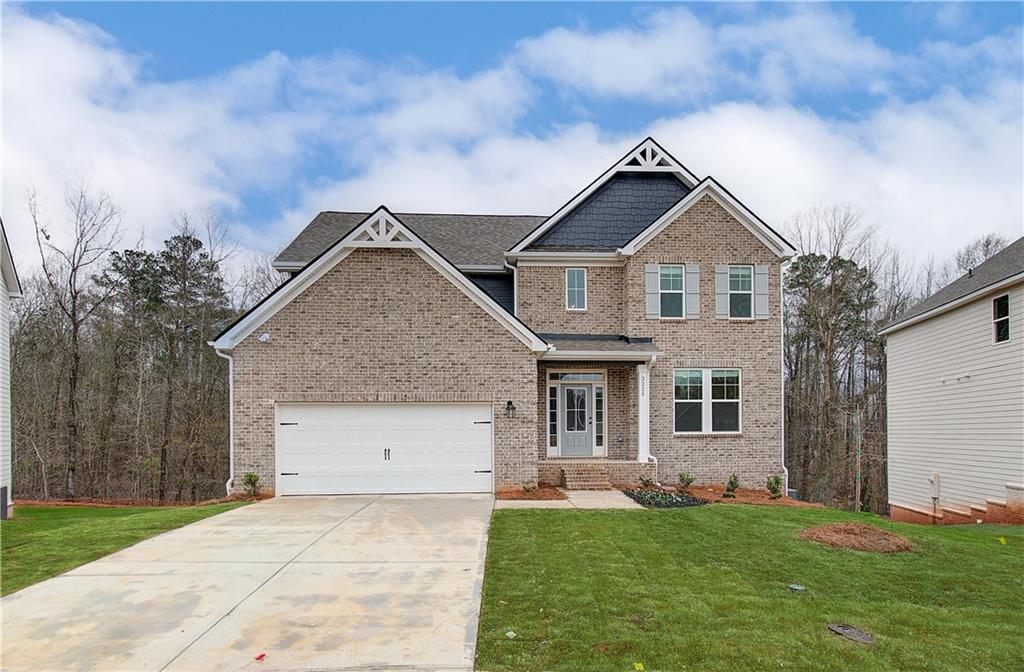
(670, 283)
(576, 289)
(741, 292)
(1001, 318)
(707, 401)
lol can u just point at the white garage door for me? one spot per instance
(379, 448)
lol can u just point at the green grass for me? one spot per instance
(43, 541)
(705, 588)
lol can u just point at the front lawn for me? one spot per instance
(705, 588)
(43, 541)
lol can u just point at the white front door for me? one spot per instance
(324, 449)
(577, 420)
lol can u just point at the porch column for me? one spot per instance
(643, 412)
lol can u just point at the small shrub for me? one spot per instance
(774, 485)
(646, 483)
(251, 483)
(731, 486)
(685, 480)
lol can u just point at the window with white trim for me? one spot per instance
(707, 401)
(576, 289)
(670, 287)
(741, 292)
(1001, 318)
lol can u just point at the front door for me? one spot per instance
(577, 420)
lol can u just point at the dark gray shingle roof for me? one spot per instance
(614, 214)
(1006, 263)
(600, 343)
(462, 239)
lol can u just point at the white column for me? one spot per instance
(643, 412)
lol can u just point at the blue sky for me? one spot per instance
(260, 115)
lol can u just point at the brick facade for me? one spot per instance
(708, 235)
(384, 326)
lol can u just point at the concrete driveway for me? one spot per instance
(325, 583)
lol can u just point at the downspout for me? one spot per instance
(231, 419)
(782, 377)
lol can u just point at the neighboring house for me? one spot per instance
(634, 333)
(956, 398)
(11, 289)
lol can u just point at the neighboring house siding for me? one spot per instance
(383, 326)
(708, 235)
(956, 406)
(542, 300)
(5, 391)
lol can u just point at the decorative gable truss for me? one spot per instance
(649, 156)
(380, 230)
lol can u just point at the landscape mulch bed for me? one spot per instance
(543, 492)
(659, 499)
(124, 502)
(857, 536)
(713, 493)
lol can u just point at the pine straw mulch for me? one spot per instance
(712, 492)
(857, 536)
(115, 502)
(541, 492)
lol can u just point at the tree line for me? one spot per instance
(117, 394)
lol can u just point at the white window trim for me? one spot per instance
(567, 271)
(681, 292)
(707, 402)
(996, 321)
(556, 451)
(749, 292)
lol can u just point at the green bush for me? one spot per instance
(774, 485)
(685, 479)
(646, 483)
(731, 486)
(251, 483)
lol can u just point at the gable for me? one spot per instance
(616, 212)
(380, 230)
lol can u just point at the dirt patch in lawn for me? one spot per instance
(712, 492)
(542, 492)
(857, 536)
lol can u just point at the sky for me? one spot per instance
(262, 115)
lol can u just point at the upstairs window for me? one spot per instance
(671, 289)
(741, 292)
(576, 289)
(1001, 318)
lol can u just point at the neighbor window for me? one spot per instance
(741, 291)
(1001, 318)
(707, 401)
(576, 288)
(671, 288)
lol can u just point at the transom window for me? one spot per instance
(670, 285)
(741, 291)
(576, 289)
(707, 401)
(578, 377)
(1001, 318)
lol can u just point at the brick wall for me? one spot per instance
(383, 326)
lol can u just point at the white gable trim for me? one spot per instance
(380, 230)
(10, 274)
(648, 156)
(709, 187)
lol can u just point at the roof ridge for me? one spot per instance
(439, 214)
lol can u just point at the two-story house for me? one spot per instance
(634, 333)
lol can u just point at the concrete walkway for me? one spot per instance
(325, 583)
(577, 499)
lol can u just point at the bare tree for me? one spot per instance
(979, 250)
(95, 223)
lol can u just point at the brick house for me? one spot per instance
(634, 333)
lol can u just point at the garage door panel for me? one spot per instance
(378, 448)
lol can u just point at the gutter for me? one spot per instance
(231, 417)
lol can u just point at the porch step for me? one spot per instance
(585, 477)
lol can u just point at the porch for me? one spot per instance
(594, 408)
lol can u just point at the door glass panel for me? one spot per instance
(575, 409)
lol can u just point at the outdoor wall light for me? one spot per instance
(510, 409)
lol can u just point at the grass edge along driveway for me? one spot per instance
(41, 542)
(705, 588)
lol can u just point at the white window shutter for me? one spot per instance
(692, 291)
(722, 292)
(651, 286)
(761, 292)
